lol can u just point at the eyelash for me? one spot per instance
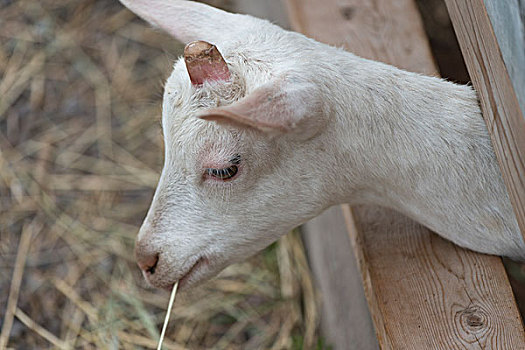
(225, 173)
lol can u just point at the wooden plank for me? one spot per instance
(328, 248)
(499, 103)
(441, 295)
(423, 292)
(508, 21)
(334, 266)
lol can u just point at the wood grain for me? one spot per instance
(508, 21)
(423, 292)
(499, 103)
(445, 297)
(330, 253)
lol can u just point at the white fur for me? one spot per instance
(380, 136)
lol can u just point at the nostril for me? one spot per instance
(152, 268)
(148, 263)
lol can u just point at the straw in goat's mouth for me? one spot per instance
(172, 300)
(168, 312)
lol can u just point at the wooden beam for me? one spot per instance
(441, 295)
(328, 247)
(346, 322)
(423, 292)
(499, 102)
(508, 21)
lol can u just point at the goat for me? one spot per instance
(265, 129)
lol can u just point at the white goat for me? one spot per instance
(300, 126)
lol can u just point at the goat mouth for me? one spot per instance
(199, 264)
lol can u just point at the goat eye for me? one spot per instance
(223, 174)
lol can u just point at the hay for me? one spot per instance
(80, 154)
(168, 314)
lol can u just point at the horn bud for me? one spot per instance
(205, 63)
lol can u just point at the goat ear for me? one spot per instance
(189, 21)
(274, 108)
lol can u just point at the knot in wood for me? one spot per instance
(347, 12)
(473, 318)
(474, 321)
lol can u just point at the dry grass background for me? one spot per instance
(80, 154)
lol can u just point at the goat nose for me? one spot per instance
(146, 258)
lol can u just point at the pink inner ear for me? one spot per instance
(266, 109)
(205, 62)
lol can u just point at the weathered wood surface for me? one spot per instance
(508, 21)
(345, 318)
(442, 296)
(329, 249)
(423, 292)
(328, 246)
(499, 103)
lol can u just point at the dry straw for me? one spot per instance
(168, 313)
(80, 154)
